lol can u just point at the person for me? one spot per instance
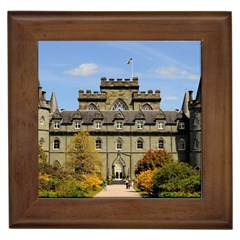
(105, 185)
(130, 184)
(126, 182)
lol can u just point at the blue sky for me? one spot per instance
(169, 66)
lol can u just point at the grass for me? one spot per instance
(144, 194)
(91, 194)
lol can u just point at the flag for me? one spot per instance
(129, 61)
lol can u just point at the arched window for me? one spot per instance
(41, 142)
(42, 120)
(195, 121)
(181, 144)
(119, 144)
(56, 163)
(160, 144)
(196, 144)
(147, 107)
(140, 144)
(56, 144)
(92, 107)
(98, 144)
(119, 104)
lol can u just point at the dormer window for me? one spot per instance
(181, 125)
(160, 125)
(119, 124)
(77, 125)
(56, 125)
(98, 125)
(140, 124)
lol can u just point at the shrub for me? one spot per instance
(90, 182)
(70, 188)
(176, 179)
(144, 181)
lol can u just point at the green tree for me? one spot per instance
(83, 158)
(153, 159)
(177, 179)
(42, 156)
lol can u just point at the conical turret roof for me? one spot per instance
(185, 108)
(53, 103)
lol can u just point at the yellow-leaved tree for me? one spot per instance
(83, 158)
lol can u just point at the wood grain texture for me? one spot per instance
(213, 211)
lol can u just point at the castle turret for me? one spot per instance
(53, 103)
(185, 108)
(195, 129)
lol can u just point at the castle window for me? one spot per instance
(160, 144)
(139, 144)
(146, 107)
(195, 121)
(98, 144)
(77, 125)
(119, 104)
(41, 142)
(56, 125)
(160, 125)
(196, 144)
(98, 125)
(56, 144)
(56, 163)
(119, 144)
(119, 124)
(181, 144)
(181, 125)
(140, 125)
(42, 120)
(92, 107)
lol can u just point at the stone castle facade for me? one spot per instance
(125, 123)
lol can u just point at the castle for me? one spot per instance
(125, 123)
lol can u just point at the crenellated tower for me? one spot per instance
(114, 93)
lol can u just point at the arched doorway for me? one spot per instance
(118, 169)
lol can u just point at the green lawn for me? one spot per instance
(144, 194)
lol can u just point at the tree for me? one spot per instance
(42, 156)
(177, 179)
(82, 156)
(153, 159)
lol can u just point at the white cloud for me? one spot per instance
(173, 72)
(84, 69)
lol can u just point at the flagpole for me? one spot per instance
(132, 68)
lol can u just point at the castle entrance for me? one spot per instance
(118, 169)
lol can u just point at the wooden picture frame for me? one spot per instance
(213, 210)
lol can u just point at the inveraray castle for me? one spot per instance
(125, 123)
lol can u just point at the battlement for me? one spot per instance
(119, 83)
(148, 95)
(92, 95)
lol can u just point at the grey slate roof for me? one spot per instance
(89, 116)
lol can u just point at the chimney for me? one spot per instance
(190, 96)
